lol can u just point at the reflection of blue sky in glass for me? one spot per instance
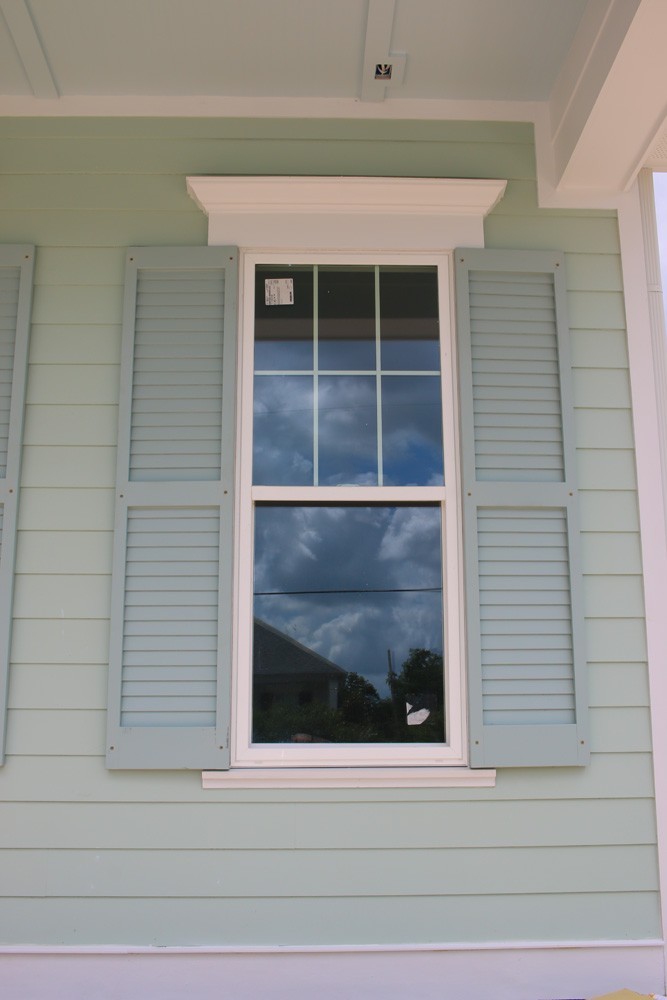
(412, 430)
(347, 411)
(382, 565)
(283, 437)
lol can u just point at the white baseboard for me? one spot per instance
(521, 971)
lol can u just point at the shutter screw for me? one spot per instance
(11, 491)
(112, 748)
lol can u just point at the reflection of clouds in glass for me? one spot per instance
(283, 430)
(410, 546)
(347, 415)
(411, 430)
(360, 550)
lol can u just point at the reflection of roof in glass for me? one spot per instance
(277, 653)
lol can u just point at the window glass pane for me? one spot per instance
(409, 326)
(347, 415)
(348, 631)
(283, 430)
(346, 319)
(412, 430)
(284, 332)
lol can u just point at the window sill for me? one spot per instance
(347, 777)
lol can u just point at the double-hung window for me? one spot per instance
(349, 644)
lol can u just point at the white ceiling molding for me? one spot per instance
(29, 48)
(349, 213)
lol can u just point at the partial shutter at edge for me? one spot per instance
(16, 283)
(526, 664)
(171, 643)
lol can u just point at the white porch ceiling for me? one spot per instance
(589, 73)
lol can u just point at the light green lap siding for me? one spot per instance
(563, 853)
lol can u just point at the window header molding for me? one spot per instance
(346, 213)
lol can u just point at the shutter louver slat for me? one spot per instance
(524, 633)
(169, 671)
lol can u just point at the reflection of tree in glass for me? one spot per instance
(361, 716)
(420, 686)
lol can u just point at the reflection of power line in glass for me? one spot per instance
(362, 590)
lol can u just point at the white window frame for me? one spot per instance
(347, 219)
(452, 752)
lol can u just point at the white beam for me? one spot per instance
(29, 47)
(603, 125)
(379, 25)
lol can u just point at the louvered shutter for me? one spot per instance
(527, 699)
(170, 648)
(16, 274)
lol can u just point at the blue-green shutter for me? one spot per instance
(16, 276)
(526, 670)
(171, 631)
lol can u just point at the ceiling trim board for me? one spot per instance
(29, 48)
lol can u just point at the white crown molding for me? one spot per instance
(351, 213)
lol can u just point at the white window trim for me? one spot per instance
(243, 753)
(274, 219)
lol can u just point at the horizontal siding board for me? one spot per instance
(94, 229)
(603, 428)
(592, 347)
(621, 730)
(84, 779)
(108, 156)
(571, 234)
(66, 509)
(86, 344)
(352, 873)
(57, 265)
(601, 387)
(616, 639)
(618, 685)
(69, 468)
(73, 384)
(616, 553)
(178, 130)
(78, 304)
(67, 733)
(60, 641)
(58, 596)
(596, 310)
(607, 595)
(64, 551)
(317, 825)
(609, 510)
(71, 686)
(606, 469)
(338, 921)
(594, 272)
(64, 424)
